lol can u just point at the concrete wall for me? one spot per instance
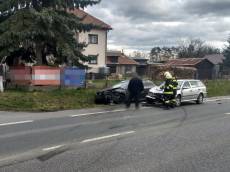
(95, 49)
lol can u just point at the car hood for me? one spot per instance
(156, 90)
(111, 89)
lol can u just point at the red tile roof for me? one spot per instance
(184, 62)
(122, 60)
(89, 19)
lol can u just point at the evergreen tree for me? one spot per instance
(227, 55)
(43, 27)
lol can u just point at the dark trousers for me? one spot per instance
(174, 97)
(133, 97)
(174, 93)
(168, 99)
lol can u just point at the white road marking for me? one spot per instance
(103, 112)
(227, 113)
(15, 123)
(146, 108)
(52, 148)
(107, 137)
(94, 113)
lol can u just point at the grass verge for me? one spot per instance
(19, 100)
(63, 99)
(218, 88)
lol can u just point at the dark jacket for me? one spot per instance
(168, 87)
(135, 86)
(174, 83)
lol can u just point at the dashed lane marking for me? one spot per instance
(104, 112)
(95, 113)
(108, 136)
(52, 148)
(15, 123)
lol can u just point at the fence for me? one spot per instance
(47, 76)
(73, 77)
(20, 75)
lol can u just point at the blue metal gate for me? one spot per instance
(73, 77)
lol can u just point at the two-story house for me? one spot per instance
(96, 40)
(119, 63)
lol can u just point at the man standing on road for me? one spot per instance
(135, 88)
(168, 90)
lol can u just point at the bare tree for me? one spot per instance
(196, 48)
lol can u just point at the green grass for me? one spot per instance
(218, 88)
(47, 101)
(63, 99)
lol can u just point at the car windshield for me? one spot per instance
(122, 84)
(179, 84)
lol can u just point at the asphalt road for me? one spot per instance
(189, 138)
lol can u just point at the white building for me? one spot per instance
(96, 40)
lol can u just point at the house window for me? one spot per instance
(93, 59)
(93, 39)
(114, 59)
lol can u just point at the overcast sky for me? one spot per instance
(143, 24)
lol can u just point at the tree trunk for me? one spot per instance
(39, 50)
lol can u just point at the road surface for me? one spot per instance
(189, 138)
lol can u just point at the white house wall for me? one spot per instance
(96, 49)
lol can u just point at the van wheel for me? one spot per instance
(178, 100)
(200, 99)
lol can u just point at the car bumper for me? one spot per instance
(101, 98)
(155, 97)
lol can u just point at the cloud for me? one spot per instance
(208, 7)
(141, 25)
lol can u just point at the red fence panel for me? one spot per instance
(45, 76)
(20, 75)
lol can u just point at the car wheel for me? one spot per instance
(178, 100)
(99, 100)
(200, 99)
(149, 101)
(118, 98)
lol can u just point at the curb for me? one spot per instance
(212, 99)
